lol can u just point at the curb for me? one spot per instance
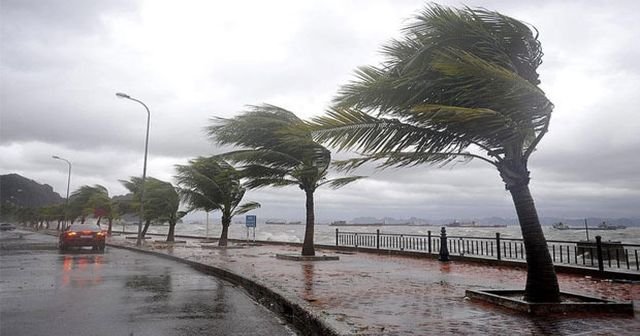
(304, 320)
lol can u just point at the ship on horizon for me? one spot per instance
(473, 224)
(344, 223)
(602, 226)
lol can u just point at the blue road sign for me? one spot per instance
(250, 221)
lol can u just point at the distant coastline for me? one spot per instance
(271, 222)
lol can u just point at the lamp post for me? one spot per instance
(66, 205)
(144, 168)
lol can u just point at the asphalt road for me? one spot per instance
(45, 292)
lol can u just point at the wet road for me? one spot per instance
(44, 292)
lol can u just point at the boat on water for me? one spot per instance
(563, 226)
(344, 223)
(602, 226)
(605, 226)
(473, 224)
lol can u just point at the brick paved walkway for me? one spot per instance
(368, 294)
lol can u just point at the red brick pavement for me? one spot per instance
(369, 294)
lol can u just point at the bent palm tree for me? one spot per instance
(208, 183)
(89, 200)
(461, 84)
(278, 151)
(161, 202)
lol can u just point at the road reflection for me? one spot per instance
(79, 271)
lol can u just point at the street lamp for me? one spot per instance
(66, 206)
(144, 168)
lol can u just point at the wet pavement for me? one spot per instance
(369, 294)
(119, 292)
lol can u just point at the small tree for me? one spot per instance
(89, 200)
(161, 202)
(209, 183)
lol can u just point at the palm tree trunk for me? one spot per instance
(224, 236)
(307, 245)
(542, 282)
(110, 226)
(172, 228)
(145, 228)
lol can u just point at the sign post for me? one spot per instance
(251, 222)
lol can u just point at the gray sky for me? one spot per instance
(61, 63)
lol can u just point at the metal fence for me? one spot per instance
(592, 253)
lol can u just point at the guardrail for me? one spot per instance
(596, 253)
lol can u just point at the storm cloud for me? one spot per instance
(61, 63)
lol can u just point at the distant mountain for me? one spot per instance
(23, 192)
(366, 220)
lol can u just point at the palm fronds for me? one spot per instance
(276, 148)
(458, 78)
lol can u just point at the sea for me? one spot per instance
(325, 234)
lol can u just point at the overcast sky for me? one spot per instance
(61, 63)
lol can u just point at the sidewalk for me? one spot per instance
(369, 294)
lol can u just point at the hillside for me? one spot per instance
(23, 192)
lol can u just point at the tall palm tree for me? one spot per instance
(278, 151)
(209, 183)
(462, 83)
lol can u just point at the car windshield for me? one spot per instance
(84, 227)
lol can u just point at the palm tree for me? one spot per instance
(161, 202)
(89, 200)
(101, 205)
(278, 151)
(462, 83)
(51, 213)
(117, 209)
(164, 203)
(209, 183)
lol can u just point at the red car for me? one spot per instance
(78, 235)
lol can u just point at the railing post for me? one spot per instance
(444, 251)
(599, 253)
(377, 239)
(336, 237)
(356, 239)
(498, 245)
(429, 241)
